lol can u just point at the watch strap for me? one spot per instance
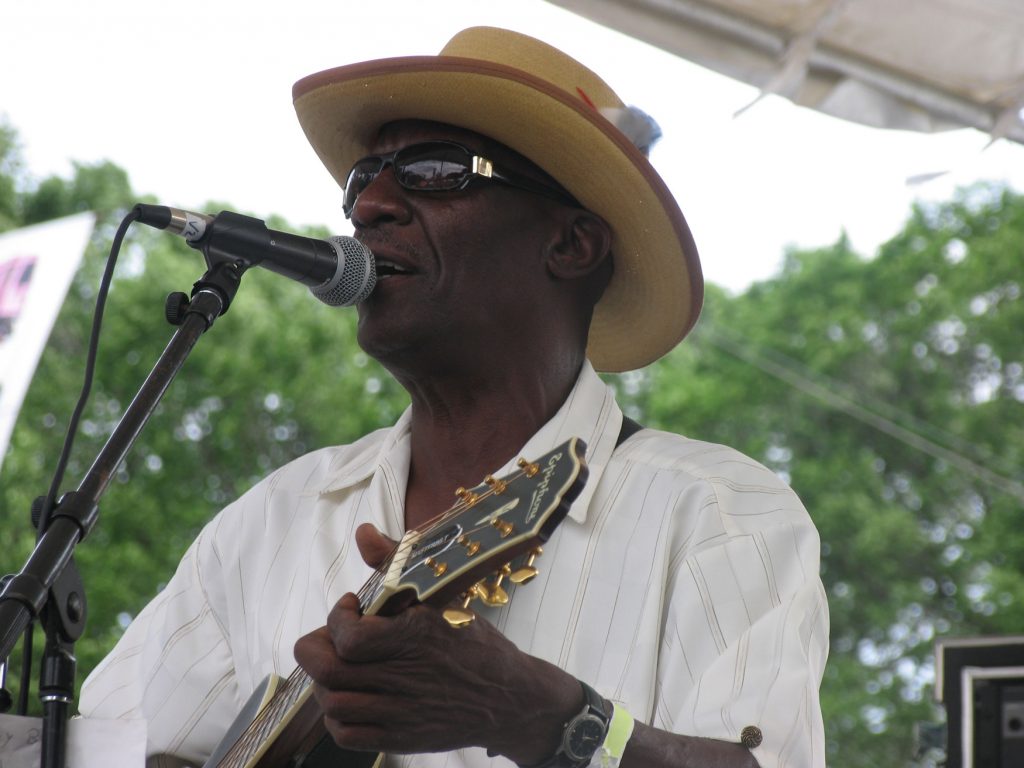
(593, 703)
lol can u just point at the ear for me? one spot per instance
(583, 247)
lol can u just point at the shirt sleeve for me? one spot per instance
(173, 667)
(745, 634)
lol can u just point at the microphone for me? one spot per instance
(339, 271)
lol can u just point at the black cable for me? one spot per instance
(90, 367)
(69, 438)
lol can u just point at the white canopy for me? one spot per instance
(924, 65)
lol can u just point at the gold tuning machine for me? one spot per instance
(461, 616)
(472, 547)
(439, 569)
(504, 527)
(529, 468)
(458, 618)
(526, 572)
(467, 497)
(493, 594)
(497, 486)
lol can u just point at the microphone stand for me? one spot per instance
(48, 586)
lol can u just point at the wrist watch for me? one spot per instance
(583, 735)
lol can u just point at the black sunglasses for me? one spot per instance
(439, 166)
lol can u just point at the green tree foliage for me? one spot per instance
(888, 391)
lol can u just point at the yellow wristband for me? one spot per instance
(619, 730)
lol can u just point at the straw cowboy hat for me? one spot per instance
(564, 118)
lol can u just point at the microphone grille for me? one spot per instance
(355, 277)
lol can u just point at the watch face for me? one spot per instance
(584, 736)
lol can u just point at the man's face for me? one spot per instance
(471, 263)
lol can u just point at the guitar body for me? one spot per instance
(297, 739)
(445, 563)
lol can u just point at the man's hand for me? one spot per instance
(412, 683)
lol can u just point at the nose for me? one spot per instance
(383, 200)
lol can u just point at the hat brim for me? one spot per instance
(655, 295)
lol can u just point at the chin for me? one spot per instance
(391, 346)
(402, 334)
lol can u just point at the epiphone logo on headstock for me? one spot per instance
(542, 488)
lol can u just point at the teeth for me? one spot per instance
(390, 268)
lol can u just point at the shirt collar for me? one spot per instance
(590, 413)
(362, 459)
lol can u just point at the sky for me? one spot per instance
(193, 99)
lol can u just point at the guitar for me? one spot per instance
(492, 533)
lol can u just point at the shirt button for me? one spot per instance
(751, 737)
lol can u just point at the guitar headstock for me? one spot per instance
(491, 525)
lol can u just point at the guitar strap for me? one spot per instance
(629, 427)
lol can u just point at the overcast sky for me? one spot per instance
(193, 99)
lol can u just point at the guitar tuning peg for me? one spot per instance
(504, 527)
(472, 547)
(497, 486)
(495, 597)
(466, 497)
(461, 616)
(493, 594)
(439, 569)
(458, 618)
(527, 572)
(529, 468)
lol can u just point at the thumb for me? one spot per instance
(373, 545)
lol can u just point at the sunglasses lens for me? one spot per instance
(359, 178)
(430, 166)
(433, 166)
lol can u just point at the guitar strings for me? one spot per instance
(256, 733)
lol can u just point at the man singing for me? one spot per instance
(523, 241)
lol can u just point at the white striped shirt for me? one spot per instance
(684, 584)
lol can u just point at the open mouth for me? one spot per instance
(387, 268)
